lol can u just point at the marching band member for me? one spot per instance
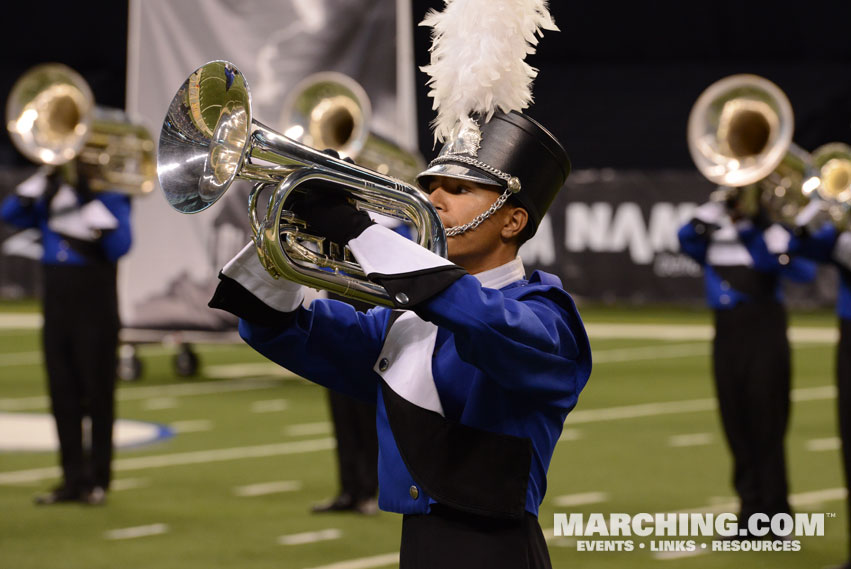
(830, 245)
(474, 371)
(744, 261)
(84, 234)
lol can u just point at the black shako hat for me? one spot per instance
(516, 152)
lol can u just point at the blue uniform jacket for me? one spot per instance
(24, 214)
(509, 361)
(819, 246)
(695, 240)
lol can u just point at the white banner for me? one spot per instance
(170, 273)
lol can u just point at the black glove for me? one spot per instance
(328, 212)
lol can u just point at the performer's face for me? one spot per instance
(491, 243)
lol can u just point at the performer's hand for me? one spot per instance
(328, 213)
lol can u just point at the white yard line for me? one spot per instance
(24, 321)
(310, 537)
(306, 429)
(614, 355)
(814, 393)
(138, 531)
(160, 403)
(192, 426)
(682, 406)
(816, 445)
(799, 500)
(253, 369)
(640, 410)
(266, 488)
(817, 497)
(691, 440)
(269, 406)
(128, 484)
(570, 435)
(137, 393)
(384, 560)
(583, 499)
(182, 459)
(680, 332)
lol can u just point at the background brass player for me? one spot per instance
(740, 132)
(822, 232)
(80, 201)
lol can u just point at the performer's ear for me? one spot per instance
(514, 222)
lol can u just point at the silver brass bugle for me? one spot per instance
(209, 139)
(52, 119)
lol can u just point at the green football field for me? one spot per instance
(253, 450)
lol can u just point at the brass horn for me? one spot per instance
(209, 139)
(330, 110)
(740, 133)
(833, 163)
(52, 119)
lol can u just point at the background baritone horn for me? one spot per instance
(52, 119)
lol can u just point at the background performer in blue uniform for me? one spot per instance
(744, 259)
(829, 244)
(84, 233)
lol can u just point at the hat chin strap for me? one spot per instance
(459, 229)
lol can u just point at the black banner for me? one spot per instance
(612, 237)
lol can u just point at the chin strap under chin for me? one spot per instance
(459, 229)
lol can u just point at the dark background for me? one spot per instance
(615, 85)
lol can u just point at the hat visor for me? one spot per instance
(459, 172)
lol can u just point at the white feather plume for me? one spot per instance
(478, 58)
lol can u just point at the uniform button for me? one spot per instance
(725, 299)
(402, 298)
(62, 256)
(783, 259)
(725, 285)
(383, 365)
(414, 492)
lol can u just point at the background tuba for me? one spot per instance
(740, 133)
(833, 163)
(331, 110)
(209, 139)
(52, 119)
